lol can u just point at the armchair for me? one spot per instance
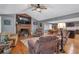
(47, 45)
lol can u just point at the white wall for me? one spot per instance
(9, 28)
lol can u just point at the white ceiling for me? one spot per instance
(53, 10)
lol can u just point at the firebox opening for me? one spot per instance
(24, 32)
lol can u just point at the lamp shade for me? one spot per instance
(62, 25)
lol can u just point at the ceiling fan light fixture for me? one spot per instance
(38, 9)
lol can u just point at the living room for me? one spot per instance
(39, 28)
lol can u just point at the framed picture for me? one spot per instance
(7, 22)
(35, 23)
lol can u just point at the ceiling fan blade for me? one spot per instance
(43, 8)
(33, 9)
(34, 5)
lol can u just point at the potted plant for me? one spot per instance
(6, 39)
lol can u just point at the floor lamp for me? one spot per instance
(61, 26)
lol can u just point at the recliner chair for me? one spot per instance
(47, 45)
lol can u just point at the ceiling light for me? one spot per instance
(38, 9)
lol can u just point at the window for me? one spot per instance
(0, 24)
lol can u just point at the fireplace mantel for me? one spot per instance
(23, 26)
(20, 26)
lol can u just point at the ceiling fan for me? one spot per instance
(38, 7)
(35, 7)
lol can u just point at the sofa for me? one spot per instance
(47, 45)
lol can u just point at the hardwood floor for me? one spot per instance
(19, 49)
(71, 47)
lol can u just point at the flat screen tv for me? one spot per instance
(22, 20)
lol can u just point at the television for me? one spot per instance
(22, 20)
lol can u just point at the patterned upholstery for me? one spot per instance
(47, 45)
(31, 46)
(38, 33)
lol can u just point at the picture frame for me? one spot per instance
(35, 23)
(7, 22)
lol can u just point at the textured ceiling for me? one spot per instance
(53, 10)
